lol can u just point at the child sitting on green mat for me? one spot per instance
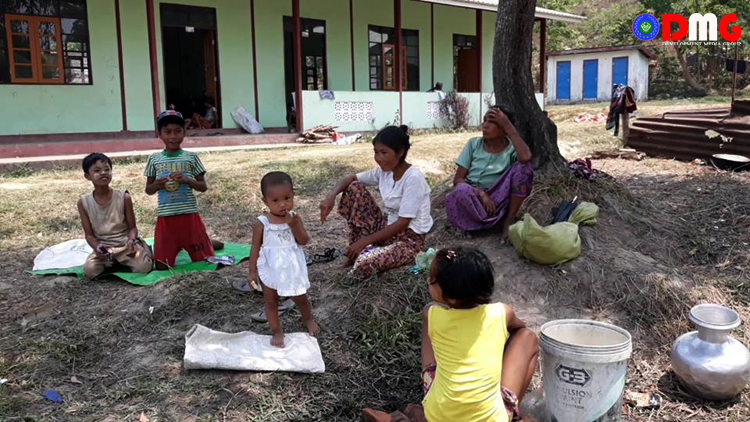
(108, 222)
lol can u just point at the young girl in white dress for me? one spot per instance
(276, 259)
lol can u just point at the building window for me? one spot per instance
(44, 42)
(382, 60)
(313, 37)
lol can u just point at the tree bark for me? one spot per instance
(692, 83)
(514, 83)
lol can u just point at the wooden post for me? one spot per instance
(479, 53)
(351, 39)
(542, 55)
(397, 59)
(734, 75)
(298, 63)
(625, 126)
(151, 27)
(120, 62)
(432, 44)
(255, 61)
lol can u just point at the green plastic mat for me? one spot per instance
(240, 251)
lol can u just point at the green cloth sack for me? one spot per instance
(554, 244)
(585, 214)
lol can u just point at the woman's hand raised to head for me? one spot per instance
(326, 206)
(499, 118)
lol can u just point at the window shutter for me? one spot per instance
(22, 52)
(35, 49)
(49, 50)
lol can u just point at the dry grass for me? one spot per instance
(661, 245)
(128, 360)
(581, 139)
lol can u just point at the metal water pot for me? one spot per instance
(710, 363)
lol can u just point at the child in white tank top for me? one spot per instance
(109, 223)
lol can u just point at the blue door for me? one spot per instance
(563, 80)
(590, 79)
(620, 70)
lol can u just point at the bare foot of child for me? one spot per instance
(277, 340)
(312, 327)
(217, 244)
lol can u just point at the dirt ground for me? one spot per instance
(669, 235)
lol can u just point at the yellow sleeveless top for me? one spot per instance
(468, 345)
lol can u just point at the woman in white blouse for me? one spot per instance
(380, 241)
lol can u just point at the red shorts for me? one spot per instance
(176, 232)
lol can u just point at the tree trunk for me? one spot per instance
(692, 83)
(514, 84)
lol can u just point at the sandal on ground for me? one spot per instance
(242, 286)
(283, 308)
(328, 255)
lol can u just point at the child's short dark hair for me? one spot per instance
(170, 120)
(274, 178)
(395, 138)
(92, 159)
(464, 275)
(506, 110)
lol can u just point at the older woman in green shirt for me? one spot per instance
(494, 176)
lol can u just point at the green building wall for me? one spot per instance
(136, 65)
(34, 109)
(29, 109)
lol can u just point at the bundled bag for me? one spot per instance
(554, 244)
(245, 120)
(585, 214)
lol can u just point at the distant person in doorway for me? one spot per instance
(209, 120)
(439, 89)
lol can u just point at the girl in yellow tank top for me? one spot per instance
(478, 358)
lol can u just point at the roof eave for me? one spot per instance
(550, 14)
(540, 12)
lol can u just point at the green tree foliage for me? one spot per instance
(701, 67)
(678, 70)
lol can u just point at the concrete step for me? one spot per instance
(51, 148)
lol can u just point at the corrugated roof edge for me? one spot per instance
(491, 5)
(643, 49)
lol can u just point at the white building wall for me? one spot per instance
(641, 77)
(637, 74)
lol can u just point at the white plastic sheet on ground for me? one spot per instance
(248, 351)
(243, 118)
(72, 253)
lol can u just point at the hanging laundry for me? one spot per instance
(327, 95)
(623, 101)
(741, 66)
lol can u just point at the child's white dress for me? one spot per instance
(281, 263)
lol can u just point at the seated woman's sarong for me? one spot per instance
(465, 209)
(364, 218)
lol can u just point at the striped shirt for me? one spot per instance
(175, 198)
